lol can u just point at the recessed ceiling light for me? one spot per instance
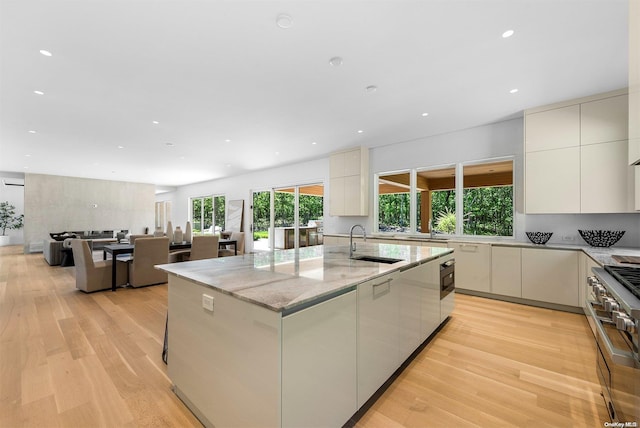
(371, 88)
(277, 153)
(121, 147)
(227, 141)
(228, 165)
(425, 114)
(284, 21)
(336, 61)
(25, 167)
(38, 92)
(181, 157)
(45, 52)
(169, 144)
(360, 131)
(313, 143)
(507, 34)
(513, 91)
(32, 132)
(155, 122)
(27, 156)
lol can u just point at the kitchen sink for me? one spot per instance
(377, 259)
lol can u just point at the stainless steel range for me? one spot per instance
(613, 311)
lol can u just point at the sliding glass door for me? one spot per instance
(287, 217)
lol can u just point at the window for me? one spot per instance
(207, 215)
(488, 199)
(474, 198)
(394, 208)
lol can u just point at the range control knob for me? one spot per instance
(592, 280)
(610, 304)
(599, 292)
(625, 323)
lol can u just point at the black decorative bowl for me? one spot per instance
(601, 238)
(539, 237)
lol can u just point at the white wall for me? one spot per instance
(58, 204)
(479, 143)
(15, 196)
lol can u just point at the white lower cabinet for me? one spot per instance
(550, 276)
(378, 342)
(586, 264)
(473, 266)
(319, 364)
(506, 271)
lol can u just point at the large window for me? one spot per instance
(465, 199)
(207, 214)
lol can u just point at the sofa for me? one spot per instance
(52, 247)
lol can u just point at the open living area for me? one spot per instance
(319, 214)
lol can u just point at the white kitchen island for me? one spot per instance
(297, 337)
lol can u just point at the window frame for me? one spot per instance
(213, 210)
(459, 197)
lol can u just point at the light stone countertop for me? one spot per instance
(286, 280)
(601, 255)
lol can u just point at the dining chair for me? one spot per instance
(203, 247)
(147, 253)
(93, 275)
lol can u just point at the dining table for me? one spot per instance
(120, 249)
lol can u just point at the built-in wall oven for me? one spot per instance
(613, 312)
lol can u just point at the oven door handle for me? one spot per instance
(619, 356)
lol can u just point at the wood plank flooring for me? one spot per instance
(69, 359)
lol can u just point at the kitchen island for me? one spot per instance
(297, 337)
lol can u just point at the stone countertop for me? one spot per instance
(601, 255)
(288, 279)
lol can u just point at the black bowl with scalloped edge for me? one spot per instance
(539, 238)
(601, 238)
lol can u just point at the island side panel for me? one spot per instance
(225, 363)
(319, 364)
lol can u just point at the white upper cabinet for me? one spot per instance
(576, 157)
(552, 181)
(605, 178)
(349, 182)
(553, 129)
(634, 84)
(604, 120)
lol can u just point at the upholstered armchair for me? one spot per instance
(147, 253)
(93, 275)
(239, 238)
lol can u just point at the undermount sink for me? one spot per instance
(377, 259)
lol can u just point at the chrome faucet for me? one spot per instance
(431, 228)
(352, 245)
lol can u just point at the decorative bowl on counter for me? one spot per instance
(539, 238)
(601, 238)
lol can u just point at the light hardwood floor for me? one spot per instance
(69, 359)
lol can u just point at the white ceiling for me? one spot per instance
(210, 71)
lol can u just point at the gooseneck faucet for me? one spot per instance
(352, 245)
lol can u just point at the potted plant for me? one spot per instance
(8, 220)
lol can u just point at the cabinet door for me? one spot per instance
(336, 196)
(410, 284)
(378, 320)
(353, 197)
(319, 364)
(552, 129)
(473, 266)
(353, 162)
(604, 120)
(552, 181)
(605, 178)
(506, 271)
(634, 83)
(550, 276)
(336, 165)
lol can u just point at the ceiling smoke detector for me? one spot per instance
(336, 61)
(284, 21)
